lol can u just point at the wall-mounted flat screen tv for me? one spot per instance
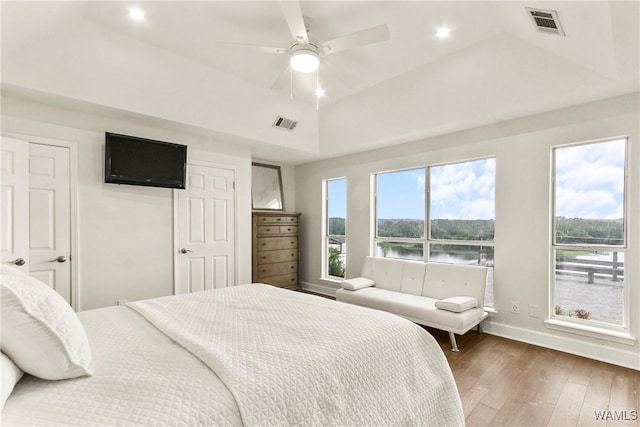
(139, 161)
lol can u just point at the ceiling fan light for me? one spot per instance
(305, 61)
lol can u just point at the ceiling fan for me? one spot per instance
(304, 54)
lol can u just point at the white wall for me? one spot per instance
(522, 231)
(126, 232)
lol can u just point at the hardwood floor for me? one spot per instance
(509, 383)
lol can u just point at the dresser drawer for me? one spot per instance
(274, 243)
(270, 230)
(277, 269)
(267, 257)
(285, 280)
(277, 220)
(266, 230)
(288, 229)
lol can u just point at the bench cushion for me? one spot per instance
(418, 309)
(357, 283)
(386, 272)
(446, 280)
(457, 304)
(412, 277)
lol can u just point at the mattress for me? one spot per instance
(247, 355)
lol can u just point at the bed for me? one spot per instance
(245, 355)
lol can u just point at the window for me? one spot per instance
(335, 235)
(400, 207)
(589, 228)
(461, 215)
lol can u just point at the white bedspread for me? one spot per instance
(141, 378)
(294, 359)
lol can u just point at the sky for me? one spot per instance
(337, 192)
(458, 191)
(590, 180)
(589, 184)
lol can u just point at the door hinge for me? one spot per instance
(234, 185)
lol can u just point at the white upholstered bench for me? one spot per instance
(449, 297)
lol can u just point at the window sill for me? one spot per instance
(622, 337)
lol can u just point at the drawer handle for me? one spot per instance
(279, 219)
(268, 229)
(292, 267)
(264, 244)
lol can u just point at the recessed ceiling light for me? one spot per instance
(443, 32)
(136, 14)
(320, 92)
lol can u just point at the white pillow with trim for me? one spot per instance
(40, 331)
(357, 283)
(457, 304)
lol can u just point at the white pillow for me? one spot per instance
(357, 283)
(40, 331)
(10, 374)
(457, 304)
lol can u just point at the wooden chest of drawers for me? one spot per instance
(275, 249)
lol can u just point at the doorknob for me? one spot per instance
(61, 258)
(18, 261)
(184, 250)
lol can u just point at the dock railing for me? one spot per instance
(613, 270)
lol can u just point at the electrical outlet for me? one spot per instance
(515, 307)
(122, 301)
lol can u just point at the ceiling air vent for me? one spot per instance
(546, 21)
(283, 123)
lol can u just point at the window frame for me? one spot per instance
(326, 237)
(376, 238)
(588, 326)
(426, 239)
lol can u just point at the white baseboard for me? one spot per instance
(319, 288)
(603, 353)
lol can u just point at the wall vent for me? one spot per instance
(546, 21)
(283, 123)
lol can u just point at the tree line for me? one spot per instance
(567, 229)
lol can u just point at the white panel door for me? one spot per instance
(206, 230)
(14, 201)
(49, 216)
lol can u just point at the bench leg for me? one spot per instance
(454, 345)
(480, 327)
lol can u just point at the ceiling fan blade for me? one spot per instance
(264, 49)
(293, 15)
(376, 34)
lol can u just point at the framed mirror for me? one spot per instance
(266, 187)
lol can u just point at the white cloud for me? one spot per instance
(590, 180)
(463, 190)
(478, 209)
(585, 204)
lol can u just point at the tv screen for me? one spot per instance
(140, 161)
